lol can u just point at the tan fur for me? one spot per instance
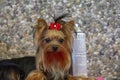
(41, 25)
(42, 32)
(36, 75)
(53, 64)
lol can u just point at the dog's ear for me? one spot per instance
(69, 32)
(40, 28)
(71, 25)
(68, 29)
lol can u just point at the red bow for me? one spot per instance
(56, 26)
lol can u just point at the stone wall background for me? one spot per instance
(99, 19)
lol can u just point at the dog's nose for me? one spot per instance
(54, 48)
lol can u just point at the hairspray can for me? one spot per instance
(79, 58)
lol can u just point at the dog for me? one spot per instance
(10, 71)
(54, 45)
(38, 75)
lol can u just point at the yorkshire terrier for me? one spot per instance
(54, 47)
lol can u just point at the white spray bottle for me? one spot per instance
(79, 58)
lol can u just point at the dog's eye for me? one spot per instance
(47, 40)
(61, 40)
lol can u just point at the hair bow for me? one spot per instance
(56, 26)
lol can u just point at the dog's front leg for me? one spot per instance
(35, 75)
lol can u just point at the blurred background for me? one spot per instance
(98, 19)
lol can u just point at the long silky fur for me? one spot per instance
(67, 29)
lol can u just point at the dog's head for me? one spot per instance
(54, 45)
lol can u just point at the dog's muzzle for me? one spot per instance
(54, 48)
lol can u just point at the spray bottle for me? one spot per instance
(79, 58)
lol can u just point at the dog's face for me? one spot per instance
(56, 55)
(54, 46)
